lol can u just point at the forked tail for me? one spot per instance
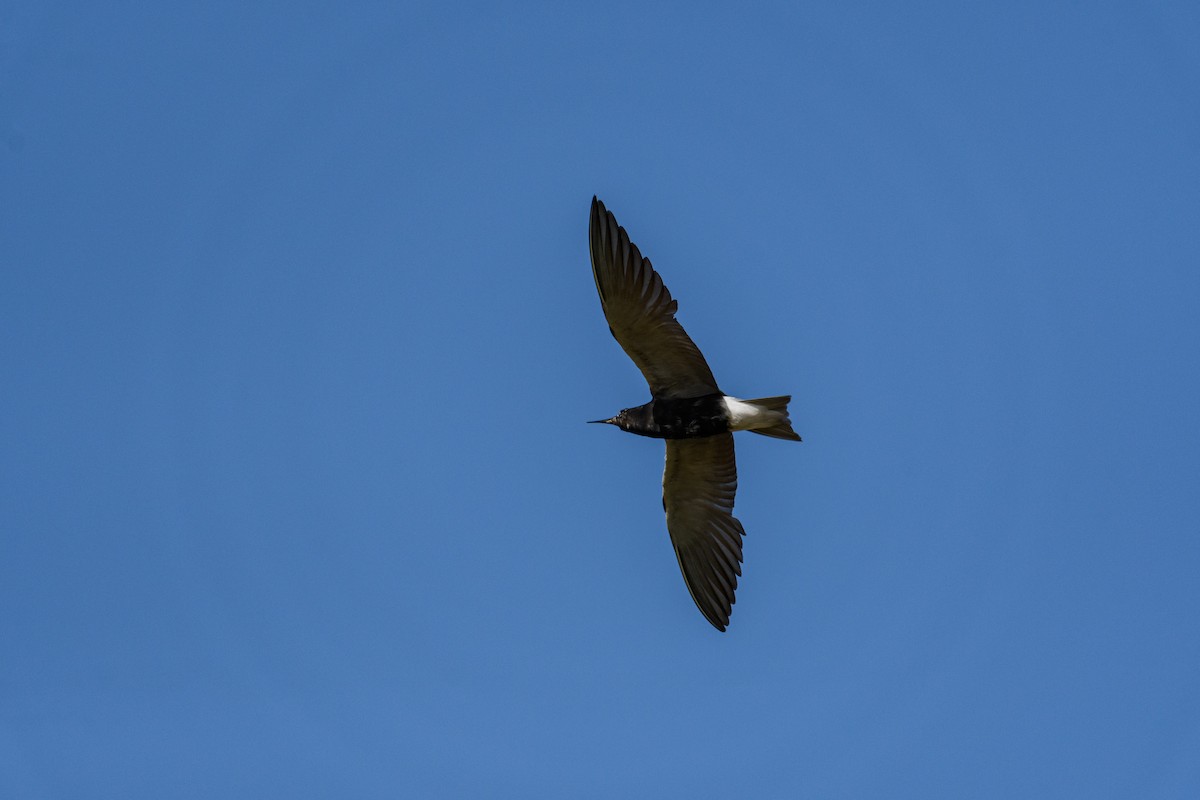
(777, 423)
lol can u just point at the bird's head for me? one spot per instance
(621, 420)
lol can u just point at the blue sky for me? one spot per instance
(299, 336)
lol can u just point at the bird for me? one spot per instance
(688, 410)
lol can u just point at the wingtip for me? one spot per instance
(715, 618)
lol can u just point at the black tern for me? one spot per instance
(686, 409)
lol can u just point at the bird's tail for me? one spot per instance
(781, 427)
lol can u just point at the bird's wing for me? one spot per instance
(641, 313)
(698, 487)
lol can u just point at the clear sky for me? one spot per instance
(299, 335)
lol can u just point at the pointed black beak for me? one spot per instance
(611, 421)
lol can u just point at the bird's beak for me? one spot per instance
(612, 421)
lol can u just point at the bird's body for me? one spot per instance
(695, 417)
(688, 410)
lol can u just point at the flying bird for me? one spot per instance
(688, 410)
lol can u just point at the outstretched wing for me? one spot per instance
(641, 313)
(698, 487)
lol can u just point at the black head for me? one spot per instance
(621, 420)
(634, 420)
